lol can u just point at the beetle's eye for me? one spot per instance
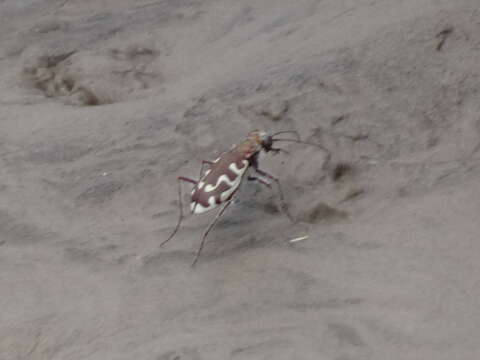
(267, 143)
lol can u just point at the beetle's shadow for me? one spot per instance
(249, 213)
(227, 244)
(247, 225)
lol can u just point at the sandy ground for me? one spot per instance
(103, 103)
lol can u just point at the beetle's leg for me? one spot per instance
(180, 206)
(212, 224)
(201, 175)
(264, 182)
(284, 206)
(205, 162)
(277, 150)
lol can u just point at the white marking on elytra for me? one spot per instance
(222, 178)
(198, 208)
(200, 185)
(236, 170)
(233, 184)
(227, 193)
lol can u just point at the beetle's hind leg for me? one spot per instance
(212, 224)
(180, 206)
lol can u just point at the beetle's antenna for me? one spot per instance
(307, 143)
(298, 141)
(287, 132)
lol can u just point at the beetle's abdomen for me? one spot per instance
(219, 183)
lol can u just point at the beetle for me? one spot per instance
(219, 183)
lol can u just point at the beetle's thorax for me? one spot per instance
(251, 145)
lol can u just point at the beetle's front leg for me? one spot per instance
(260, 180)
(284, 206)
(278, 150)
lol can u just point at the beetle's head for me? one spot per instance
(266, 141)
(261, 139)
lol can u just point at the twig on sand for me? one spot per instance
(442, 37)
(298, 239)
